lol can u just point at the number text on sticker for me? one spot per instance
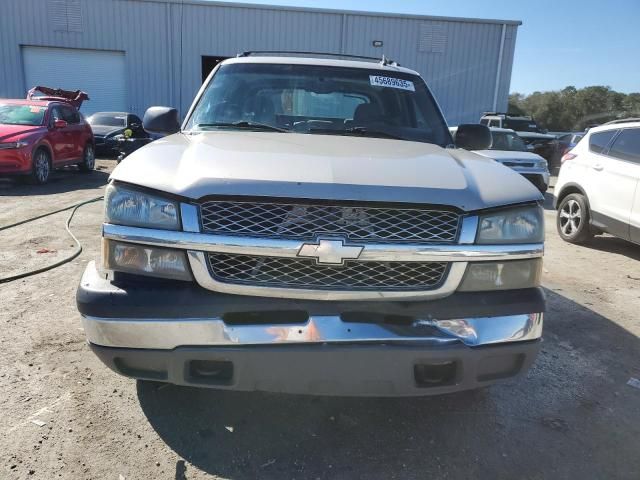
(378, 81)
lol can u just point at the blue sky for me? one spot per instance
(560, 43)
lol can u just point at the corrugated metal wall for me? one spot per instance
(458, 58)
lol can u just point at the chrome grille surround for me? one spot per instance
(305, 273)
(199, 244)
(306, 221)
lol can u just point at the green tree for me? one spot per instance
(574, 109)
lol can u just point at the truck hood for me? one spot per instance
(322, 167)
(508, 155)
(15, 132)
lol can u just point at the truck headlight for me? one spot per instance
(518, 225)
(124, 206)
(145, 260)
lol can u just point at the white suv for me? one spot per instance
(598, 185)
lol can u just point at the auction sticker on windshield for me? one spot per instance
(378, 81)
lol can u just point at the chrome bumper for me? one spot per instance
(168, 334)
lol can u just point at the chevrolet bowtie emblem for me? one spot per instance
(330, 252)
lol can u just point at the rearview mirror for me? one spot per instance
(59, 123)
(161, 120)
(473, 136)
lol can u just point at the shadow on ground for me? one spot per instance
(610, 244)
(64, 180)
(570, 417)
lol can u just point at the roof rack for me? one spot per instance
(383, 61)
(622, 120)
(508, 114)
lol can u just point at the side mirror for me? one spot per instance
(161, 120)
(473, 136)
(59, 123)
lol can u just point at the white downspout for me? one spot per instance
(499, 69)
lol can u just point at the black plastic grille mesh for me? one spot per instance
(305, 273)
(301, 221)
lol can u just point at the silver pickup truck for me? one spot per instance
(311, 228)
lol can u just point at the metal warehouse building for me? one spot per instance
(131, 54)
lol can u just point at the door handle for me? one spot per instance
(597, 167)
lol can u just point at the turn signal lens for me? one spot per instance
(568, 156)
(510, 275)
(144, 260)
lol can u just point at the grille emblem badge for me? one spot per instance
(330, 252)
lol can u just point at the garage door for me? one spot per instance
(99, 73)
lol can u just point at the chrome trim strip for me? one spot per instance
(200, 269)
(469, 230)
(176, 332)
(190, 218)
(289, 248)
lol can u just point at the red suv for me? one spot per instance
(43, 133)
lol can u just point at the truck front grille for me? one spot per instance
(279, 272)
(305, 221)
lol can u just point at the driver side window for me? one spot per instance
(56, 114)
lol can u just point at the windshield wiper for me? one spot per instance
(245, 125)
(364, 131)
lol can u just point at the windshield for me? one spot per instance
(108, 120)
(21, 114)
(320, 100)
(507, 141)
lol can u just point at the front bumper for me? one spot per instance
(161, 330)
(538, 176)
(15, 161)
(325, 369)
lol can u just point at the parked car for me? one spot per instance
(42, 133)
(508, 149)
(567, 141)
(308, 230)
(537, 139)
(598, 188)
(108, 125)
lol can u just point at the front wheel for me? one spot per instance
(88, 159)
(572, 219)
(41, 168)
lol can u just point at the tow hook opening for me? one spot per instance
(210, 372)
(435, 374)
